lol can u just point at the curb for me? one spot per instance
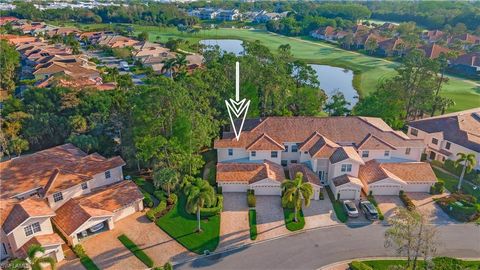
(329, 266)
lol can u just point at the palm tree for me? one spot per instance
(168, 66)
(468, 162)
(34, 260)
(180, 62)
(295, 190)
(199, 194)
(165, 178)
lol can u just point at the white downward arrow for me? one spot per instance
(237, 106)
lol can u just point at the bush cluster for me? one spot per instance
(147, 200)
(160, 195)
(437, 188)
(219, 190)
(251, 200)
(157, 212)
(461, 207)
(172, 199)
(356, 265)
(406, 201)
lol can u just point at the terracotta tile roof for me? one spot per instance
(374, 171)
(343, 153)
(468, 38)
(462, 128)
(344, 179)
(249, 172)
(44, 240)
(35, 170)
(371, 142)
(433, 35)
(318, 146)
(7, 19)
(14, 39)
(265, 142)
(308, 175)
(350, 130)
(326, 31)
(101, 202)
(433, 50)
(390, 44)
(21, 211)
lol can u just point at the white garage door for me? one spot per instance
(124, 212)
(385, 189)
(412, 187)
(347, 194)
(267, 190)
(227, 187)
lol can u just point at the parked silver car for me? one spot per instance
(350, 208)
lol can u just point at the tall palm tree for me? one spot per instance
(468, 161)
(34, 260)
(199, 194)
(295, 190)
(180, 62)
(165, 178)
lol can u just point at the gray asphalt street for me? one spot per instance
(317, 248)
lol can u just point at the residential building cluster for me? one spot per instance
(351, 155)
(385, 41)
(234, 15)
(62, 188)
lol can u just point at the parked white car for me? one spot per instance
(350, 208)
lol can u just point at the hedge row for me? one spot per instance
(252, 220)
(153, 213)
(142, 256)
(437, 188)
(406, 201)
(147, 199)
(251, 200)
(212, 211)
(84, 259)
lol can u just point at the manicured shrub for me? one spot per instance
(157, 211)
(130, 245)
(219, 190)
(172, 199)
(160, 195)
(251, 191)
(406, 201)
(252, 220)
(356, 265)
(167, 266)
(251, 200)
(84, 259)
(79, 251)
(147, 200)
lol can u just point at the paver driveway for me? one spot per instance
(270, 220)
(425, 205)
(319, 214)
(234, 226)
(109, 253)
(387, 204)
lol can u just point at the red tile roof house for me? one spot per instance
(468, 64)
(432, 36)
(434, 51)
(324, 33)
(62, 186)
(328, 150)
(446, 135)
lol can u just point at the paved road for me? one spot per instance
(317, 248)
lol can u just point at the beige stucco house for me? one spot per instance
(333, 149)
(62, 187)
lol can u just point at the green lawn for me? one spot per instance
(182, 226)
(337, 207)
(252, 220)
(385, 264)
(452, 182)
(289, 215)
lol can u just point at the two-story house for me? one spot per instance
(333, 149)
(62, 187)
(447, 135)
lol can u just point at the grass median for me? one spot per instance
(130, 245)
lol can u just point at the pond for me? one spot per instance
(331, 79)
(228, 45)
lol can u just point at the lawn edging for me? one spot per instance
(289, 216)
(252, 221)
(337, 206)
(130, 245)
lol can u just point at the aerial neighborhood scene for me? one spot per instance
(239, 134)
